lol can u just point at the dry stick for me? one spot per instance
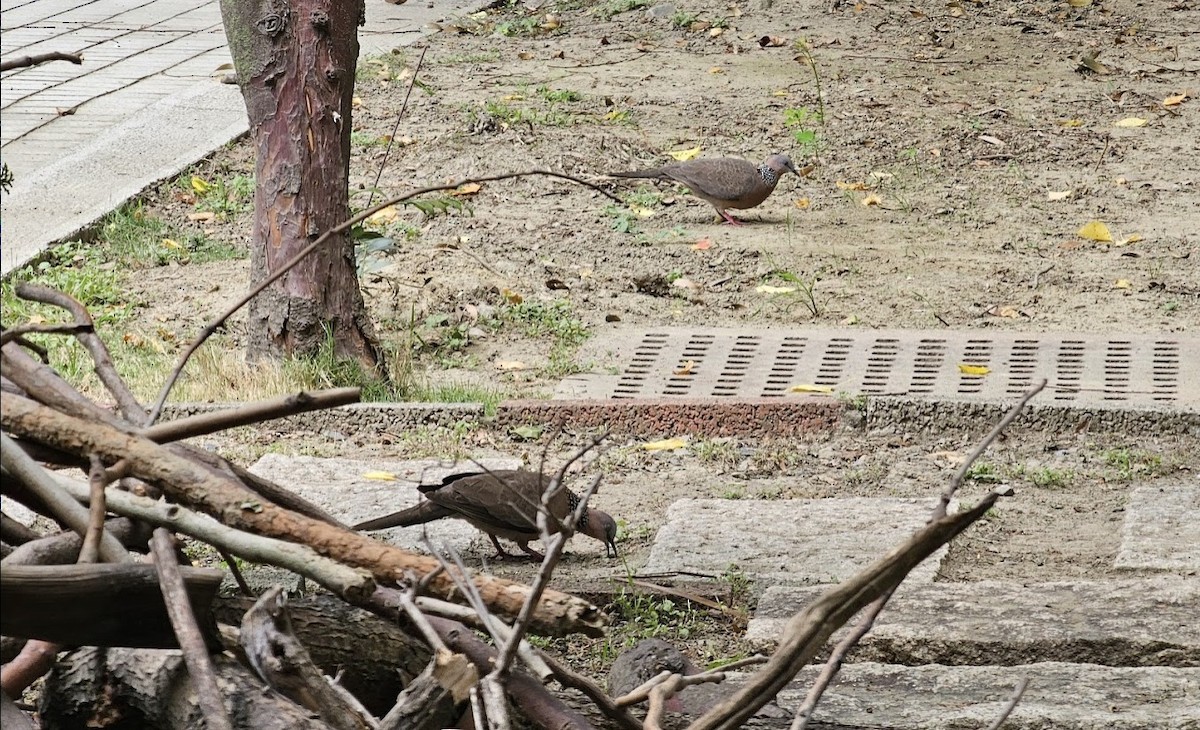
(568, 677)
(16, 333)
(387, 152)
(251, 413)
(89, 552)
(1012, 704)
(40, 58)
(105, 369)
(211, 328)
(236, 572)
(191, 642)
(38, 481)
(834, 664)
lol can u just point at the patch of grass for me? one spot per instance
(984, 472)
(556, 320)
(641, 616)
(716, 451)
(558, 96)
(134, 237)
(384, 67)
(645, 197)
(509, 115)
(1131, 463)
(458, 393)
(802, 122)
(519, 27)
(469, 58)
(734, 492)
(869, 476)
(615, 7)
(366, 141)
(1048, 478)
(326, 369)
(624, 220)
(225, 197)
(684, 20)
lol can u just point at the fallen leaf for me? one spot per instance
(379, 476)
(685, 283)
(171, 243)
(771, 41)
(1089, 62)
(715, 32)
(1006, 312)
(851, 185)
(512, 97)
(685, 155)
(973, 369)
(356, 101)
(688, 368)
(1131, 238)
(511, 296)
(1130, 122)
(1121, 284)
(527, 433)
(702, 245)
(716, 70)
(526, 56)
(664, 445)
(508, 366)
(557, 285)
(383, 216)
(1071, 245)
(203, 216)
(1095, 231)
(850, 321)
(200, 185)
(807, 388)
(468, 189)
(779, 92)
(641, 212)
(1175, 99)
(1071, 123)
(768, 289)
(803, 203)
(1055, 195)
(1079, 3)
(872, 199)
(551, 22)
(994, 141)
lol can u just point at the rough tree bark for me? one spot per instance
(295, 62)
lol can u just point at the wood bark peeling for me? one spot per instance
(236, 506)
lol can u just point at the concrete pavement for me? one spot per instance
(146, 103)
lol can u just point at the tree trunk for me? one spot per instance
(295, 62)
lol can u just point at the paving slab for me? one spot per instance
(1061, 696)
(787, 541)
(341, 487)
(1133, 622)
(1162, 528)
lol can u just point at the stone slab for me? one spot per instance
(787, 541)
(340, 487)
(1060, 695)
(1132, 622)
(1162, 528)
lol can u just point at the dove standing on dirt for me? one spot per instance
(502, 503)
(724, 182)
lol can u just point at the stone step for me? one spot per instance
(787, 541)
(1162, 527)
(1062, 696)
(342, 488)
(1131, 622)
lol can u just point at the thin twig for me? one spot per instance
(387, 151)
(1107, 142)
(1012, 704)
(40, 58)
(16, 333)
(191, 641)
(212, 327)
(1037, 276)
(236, 572)
(89, 552)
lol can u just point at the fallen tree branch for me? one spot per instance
(40, 58)
(187, 631)
(251, 413)
(230, 501)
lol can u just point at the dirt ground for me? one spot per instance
(956, 151)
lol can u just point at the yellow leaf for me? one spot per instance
(685, 155)
(468, 189)
(379, 476)
(768, 289)
(664, 445)
(1131, 122)
(1071, 123)
(1095, 231)
(1175, 99)
(551, 22)
(383, 216)
(641, 212)
(1121, 284)
(508, 366)
(356, 102)
(803, 203)
(512, 97)
(716, 70)
(1131, 238)
(851, 185)
(525, 56)
(511, 296)
(1079, 3)
(872, 199)
(1054, 195)
(973, 369)
(807, 388)
(688, 368)
(199, 185)
(850, 321)
(779, 92)
(171, 243)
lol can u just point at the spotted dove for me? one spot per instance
(724, 182)
(502, 503)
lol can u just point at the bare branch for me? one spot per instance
(1012, 704)
(97, 481)
(387, 151)
(191, 642)
(14, 334)
(40, 58)
(251, 413)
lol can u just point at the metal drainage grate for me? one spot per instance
(1118, 372)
